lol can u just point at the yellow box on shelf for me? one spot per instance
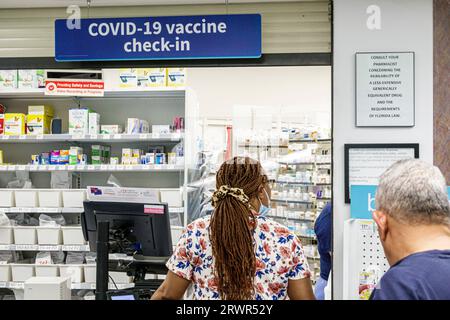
(39, 119)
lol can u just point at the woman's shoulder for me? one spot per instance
(271, 226)
(199, 224)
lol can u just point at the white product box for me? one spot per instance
(6, 235)
(75, 271)
(7, 198)
(135, 195)
(49, 198)
(26, 198)
(8, 79)
(27, 79)
(78, 121)
(72, 235)
(128, 78)
(144, 127)
(152, 77)
(5, 273)
(22, 271)
(73, 198)
(47, 270)
(49, 235)
(161, 129)
(111, 129)
(120, 277)
(94, 123)
(173, 197)
(47, 288)
(90, 273)
(25, 235)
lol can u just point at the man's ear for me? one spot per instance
(380, 219)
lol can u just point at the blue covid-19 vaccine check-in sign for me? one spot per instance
(156, 38)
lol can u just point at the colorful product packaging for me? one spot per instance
(54, 157)
(15, 124)
(152, 77)
(75, 155)
(2, 123)
(114, 160)
(128, 78)
(133, 125)
(30, 79)
(39, 119)
(63, 156)
(111, 129)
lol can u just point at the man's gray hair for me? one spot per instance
(414, 192)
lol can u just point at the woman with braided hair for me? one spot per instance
(237, 253)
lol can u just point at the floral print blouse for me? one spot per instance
(279, 257)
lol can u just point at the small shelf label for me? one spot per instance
(22, 137)
(91, 167)
(5, 137)
(117, 136)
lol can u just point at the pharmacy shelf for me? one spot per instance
(40, 210)
(39, 247)
(263, 146)
(93, 138)
(75, 286)
(305, 236)
(309, 140)
(291, 201)
(94, 168)
(312, 257)
(136, 93)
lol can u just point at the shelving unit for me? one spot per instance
(158, 106)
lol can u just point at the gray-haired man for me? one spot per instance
(413, 219)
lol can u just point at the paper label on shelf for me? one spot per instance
(3, 284)
(93, 136)
(71, 167)
(49, 248)
(155, 135)
(22, 168)
(5, 247)
(77, 136)
(104, 167)
(40, 137)
(157, 167)
(80, 167)
(22, 137)
(91, 167)
(170, 167)
(49, 168)
(61, 168)
(112, 167)
(75, 248)
(11, 168)
(129, 167)
(16, 285)
(26, 247)
(106, 136)
(146, 167)
(117, 136)
(5, 137)
(49, 210)
(143, 136)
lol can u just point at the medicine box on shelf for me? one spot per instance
(25, 235)
(22, 271)
(73, 198)
(75, 271)
(6, 235)
(49, 198)
(120, 277)
(26, 198)
(7, 198)
(47, 270)
(5, 272)
(90, 272)
(173, 197)
(49, 235)
(72, 235)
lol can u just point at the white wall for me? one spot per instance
(406, 25)
(218, 89)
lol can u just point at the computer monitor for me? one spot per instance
(144, 228)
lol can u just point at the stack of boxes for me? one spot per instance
(136, 126)
(100, 154)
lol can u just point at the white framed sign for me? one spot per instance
(364, 163)
(385, 89)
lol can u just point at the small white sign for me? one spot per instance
(385, 89)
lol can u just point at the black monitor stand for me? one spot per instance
(139, 266)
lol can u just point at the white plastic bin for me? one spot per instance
(173, 197)
(25, 235)
(75, 271)
(90, 272)
(72, 235)
(22, 271)
(26, 198)
(47, 270)
(73, 198)
(49, 198)
(5, 272)
(120, 277)
(7, 198)
(6, 235)
(49, 235)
